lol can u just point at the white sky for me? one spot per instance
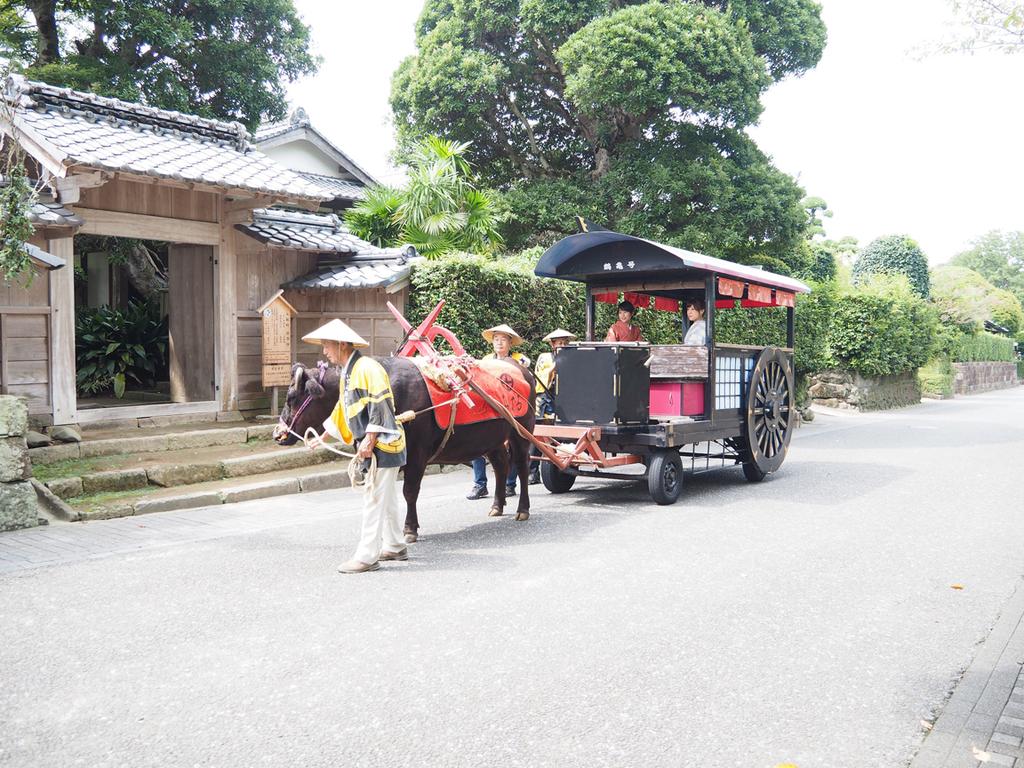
(895, 144)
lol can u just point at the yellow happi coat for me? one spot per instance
(367, 404)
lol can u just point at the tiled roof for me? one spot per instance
(48, 260)
(336, 189)
(76, 128)
(355, 273)
(47, 212)
(298, 122)
(314, 232)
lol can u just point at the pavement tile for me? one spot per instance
(994, 758)
(1006, 740)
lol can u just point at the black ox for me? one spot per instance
(318, 392)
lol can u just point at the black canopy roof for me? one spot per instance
(607, 257)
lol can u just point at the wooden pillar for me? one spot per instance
(63, 393)
(225, 313)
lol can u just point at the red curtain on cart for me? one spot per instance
(728, 287)
(785, 299)
(666, 305)
(607, 298)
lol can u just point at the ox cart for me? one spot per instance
(620, 407)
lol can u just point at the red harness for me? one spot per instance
(503, 380)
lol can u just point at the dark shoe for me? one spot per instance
(535, 477)
(357, 566)
(510, 490)
(478, 492)
(402, 554)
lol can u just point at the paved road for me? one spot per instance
(808, 620)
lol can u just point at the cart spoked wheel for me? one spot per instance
(554, 479)
(770, 414)
(665, 476)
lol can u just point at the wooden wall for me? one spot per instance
(151, 200)
(25, 340)
(190, 333)
(261, 272)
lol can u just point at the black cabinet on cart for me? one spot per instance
(603, 383)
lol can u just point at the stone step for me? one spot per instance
(183, 472)
(152, 443)
(228, 491)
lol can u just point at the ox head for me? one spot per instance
(307, 404)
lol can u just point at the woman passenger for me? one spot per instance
(697, 334)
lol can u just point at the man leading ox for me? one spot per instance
(365, 416)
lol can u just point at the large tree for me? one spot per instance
(988, 25)
(228, 59)
(631, 113)
(999, 258)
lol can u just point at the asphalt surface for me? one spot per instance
(810, 620)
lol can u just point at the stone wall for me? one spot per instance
(17, 496)
(983, 377)
(845, 389)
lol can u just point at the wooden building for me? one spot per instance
(119, 169)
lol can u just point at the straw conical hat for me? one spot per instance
(559, 333)
(335, 330)
(507, 330)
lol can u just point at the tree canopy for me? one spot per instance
(988, 25)
(630, 113)
(894, 255)
(999, 258)
(228, 59)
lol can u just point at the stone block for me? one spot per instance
(261, 432)
(18, 506)
(323, 481)
(169, 475)
(181, 418)
(106, 512)
(66, 487)
(185, 501)
(13, 416)
(263, 490)
(272, 461)
(65, 434)
(14, 461)
(52, 453)
(206, 437)
(108, 425)
(50, 503)
(229, 416)
(37, 439)
(115, 480)
(110, 447)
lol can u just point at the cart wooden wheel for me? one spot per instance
(554, 479)
(665, 476)
(770, 414)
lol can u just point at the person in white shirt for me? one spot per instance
(696, 335)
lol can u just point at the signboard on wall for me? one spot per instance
(276, 316)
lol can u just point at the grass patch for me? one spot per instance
(73, 467)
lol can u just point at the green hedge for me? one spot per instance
(881, 329)
(480, 293)
(984, 347)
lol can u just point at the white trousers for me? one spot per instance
(381, 517)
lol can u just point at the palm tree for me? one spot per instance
(440, 210)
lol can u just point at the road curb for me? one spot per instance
(978, 726)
